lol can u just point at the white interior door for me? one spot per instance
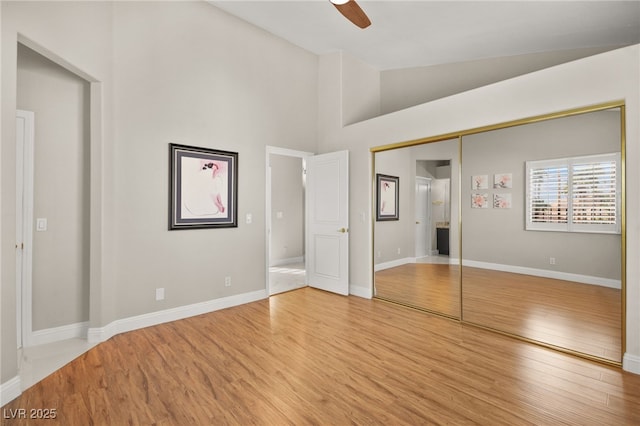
(327, 206)
(423, 217)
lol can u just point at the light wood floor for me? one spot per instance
(310, 357)
(435, 287)
(580, 317)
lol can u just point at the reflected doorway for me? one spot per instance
(433, 207)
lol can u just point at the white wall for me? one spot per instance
(188, 73)
(602, 78)
(404, 88)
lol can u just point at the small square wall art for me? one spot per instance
(479, 201)
(502, 201)
(502, 180)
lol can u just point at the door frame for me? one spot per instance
(96, 198)
(287, 153)
(24, 226)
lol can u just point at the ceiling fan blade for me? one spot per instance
(353, 12)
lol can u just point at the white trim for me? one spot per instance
(97, 335)
(55, 58)
(584, 279)
(25, 153)
(359, 291)
(287, 261)
(10, 390)
(631, 363)
(55, 334)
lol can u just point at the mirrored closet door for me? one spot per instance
(416, 251)
(517, 228)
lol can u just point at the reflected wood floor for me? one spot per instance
(581, 317)
(311, 357)
(431, 286)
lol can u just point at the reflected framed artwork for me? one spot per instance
(480, 182)
(479, 201)
(387, 196)
(203, 188)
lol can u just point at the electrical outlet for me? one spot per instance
(227, 281)
(552, 261)
(379, 253)
(398, 250)
(159, 293)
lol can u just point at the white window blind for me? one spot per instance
(578, 194)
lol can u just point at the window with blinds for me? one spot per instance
(578, 194)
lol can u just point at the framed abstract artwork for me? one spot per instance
(387, 195)
(203, 188)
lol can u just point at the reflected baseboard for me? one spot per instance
(565, 276)
(399, 262)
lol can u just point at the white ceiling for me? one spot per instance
(407, 34)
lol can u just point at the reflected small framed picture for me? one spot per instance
(502, 180)
(388, 197)
(501, 201)
(480, 182)
(203, 188)
(479, 201)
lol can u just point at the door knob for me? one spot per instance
(343, 230)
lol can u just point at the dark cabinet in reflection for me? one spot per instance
(443, 241)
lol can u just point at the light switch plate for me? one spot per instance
(41, 224)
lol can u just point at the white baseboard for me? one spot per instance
(631, 363)
(49, 335)
(10, 390)
(287, 261)
(584, 279)
(97, 335)
(364, 292)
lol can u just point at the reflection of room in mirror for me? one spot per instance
(554, 286)
(415, 262)
(562, 289)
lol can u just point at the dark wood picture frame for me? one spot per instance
(387, 197)
(203, 188)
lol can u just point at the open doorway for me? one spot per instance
(52, 200)
(286, 269)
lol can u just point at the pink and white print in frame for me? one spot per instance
(502, 180)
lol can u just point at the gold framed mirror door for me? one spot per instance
(416, 256)
(559, 284)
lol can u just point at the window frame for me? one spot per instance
(570, 226)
